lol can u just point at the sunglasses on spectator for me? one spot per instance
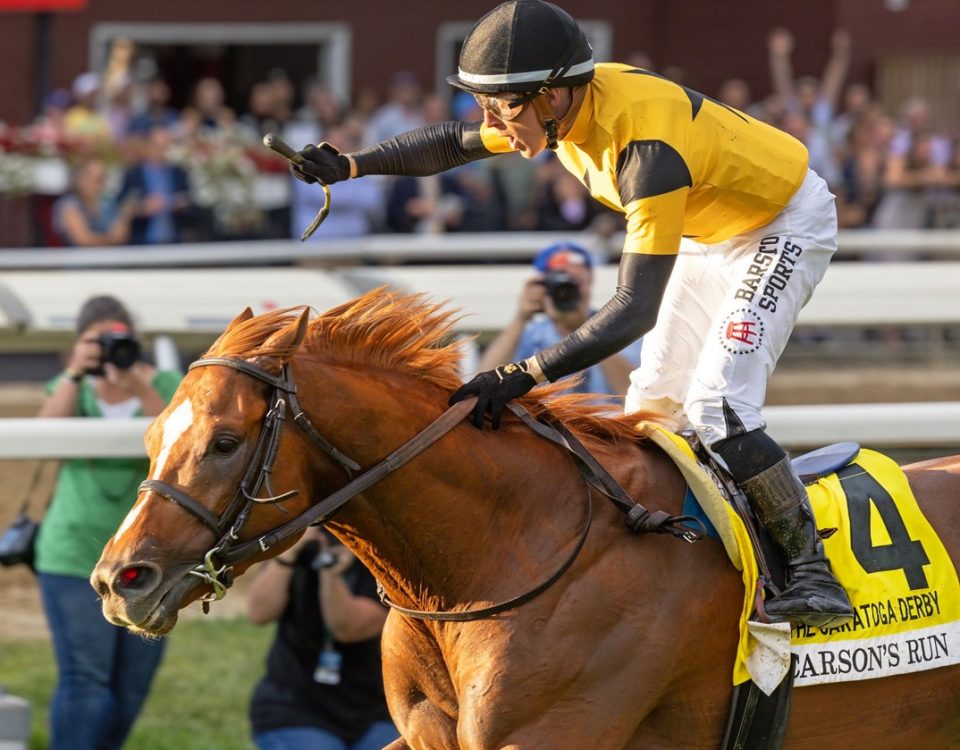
(502, 109)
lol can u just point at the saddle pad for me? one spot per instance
(902, 583)
(714, 505)
(904, 588)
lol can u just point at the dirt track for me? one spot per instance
(19, 598)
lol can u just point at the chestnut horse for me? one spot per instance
(632, 647)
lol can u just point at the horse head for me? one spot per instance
(207, 451)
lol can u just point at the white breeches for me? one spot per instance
(727, 314)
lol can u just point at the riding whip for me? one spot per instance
(275, 143)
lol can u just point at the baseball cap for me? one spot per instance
(562, 255)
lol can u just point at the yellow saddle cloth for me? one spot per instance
(901, 581)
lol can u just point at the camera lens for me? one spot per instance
(124, 354)
(566, 296)
(563, 290)
(120, 349)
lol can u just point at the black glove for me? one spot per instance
(493, 389)
(321, 163)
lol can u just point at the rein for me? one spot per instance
(217, 566)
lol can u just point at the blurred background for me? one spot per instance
(101, 94)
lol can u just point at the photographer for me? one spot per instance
(323, 689)
(553, 303)
(104, 671)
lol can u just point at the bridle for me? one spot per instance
(226, 528)
(217, 566)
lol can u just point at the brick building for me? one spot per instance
(899, 46)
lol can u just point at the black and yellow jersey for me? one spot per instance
(677, 163)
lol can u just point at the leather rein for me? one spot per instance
(217, 566)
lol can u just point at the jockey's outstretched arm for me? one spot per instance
(416, 153)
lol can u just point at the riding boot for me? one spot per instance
(813, 596)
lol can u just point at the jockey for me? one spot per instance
(728, 233)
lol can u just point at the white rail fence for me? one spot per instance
(915, 425)
(463, 247)
(204, 300)
(199, 288)
(40, 291)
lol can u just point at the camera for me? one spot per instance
(563, 290)
(120, 348)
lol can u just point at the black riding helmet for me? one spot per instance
(524, 46)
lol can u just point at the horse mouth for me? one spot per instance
(158, 619)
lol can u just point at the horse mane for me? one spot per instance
(407, 334)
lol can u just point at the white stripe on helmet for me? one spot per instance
(535, 76)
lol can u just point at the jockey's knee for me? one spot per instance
(748, 454)
(717, 419)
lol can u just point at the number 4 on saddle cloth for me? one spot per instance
(899, 577)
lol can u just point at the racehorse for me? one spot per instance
(631, 646)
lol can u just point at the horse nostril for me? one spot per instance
(100, 586)
(133, 578)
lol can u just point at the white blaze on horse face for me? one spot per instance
(173, 428)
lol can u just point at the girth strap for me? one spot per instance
(209, 519)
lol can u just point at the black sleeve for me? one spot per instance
(626, 317)
(424, 151)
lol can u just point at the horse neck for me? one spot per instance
(458, 512)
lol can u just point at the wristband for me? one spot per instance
(74, 376)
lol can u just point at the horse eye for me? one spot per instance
(225, 445)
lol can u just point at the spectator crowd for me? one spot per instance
(146, 173)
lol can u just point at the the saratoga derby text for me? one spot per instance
(884, 612)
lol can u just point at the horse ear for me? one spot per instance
(289, 339)
(242, 317)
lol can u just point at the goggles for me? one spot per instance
(502, 109)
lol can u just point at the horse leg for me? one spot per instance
(419, 693)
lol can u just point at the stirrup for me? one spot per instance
(801, 608)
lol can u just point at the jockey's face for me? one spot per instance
(520, 125)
